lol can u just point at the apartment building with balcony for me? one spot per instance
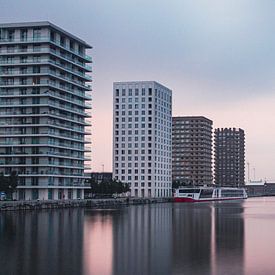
(44, 109)
(142, 132)
(192, 150)
(229, 157)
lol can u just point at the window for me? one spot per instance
(52, 36)
(36, 33)
(71, 45)
(23, 35)
(10, 35)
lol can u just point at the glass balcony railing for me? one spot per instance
(72, 100)
(43, 104)
(52, 113)
(43, 72)
(45, 39)
(66, 146)
(45, 164)
(36, 61)
(47, 83)
(48, 133)
(51, 123)
(61, 66)
(56, 96)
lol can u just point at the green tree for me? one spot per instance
(109, 187)
(176, 184)
(9, 183)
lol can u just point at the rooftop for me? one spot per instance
(43, 24)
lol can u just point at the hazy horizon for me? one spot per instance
(216, 56)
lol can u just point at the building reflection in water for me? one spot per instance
(42, 242)
(192, 239)
(142, 240)
(98, 242)
(206, 238)
(228, 238)
(132, 240)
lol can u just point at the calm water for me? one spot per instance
(206, 238)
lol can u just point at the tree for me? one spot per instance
(9, 183)
(109, 187)
(176, 184)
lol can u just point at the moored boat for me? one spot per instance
(201, 194)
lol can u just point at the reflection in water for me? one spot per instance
(192, 239)
(44, 242)
(98, 243)
(205, 238)
(229, 238)
(142, 240)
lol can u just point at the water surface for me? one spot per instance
(204, 238)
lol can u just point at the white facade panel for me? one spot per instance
(142, 132)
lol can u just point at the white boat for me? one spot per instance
(201, 194)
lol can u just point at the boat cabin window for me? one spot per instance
(206, 193)
(184, 191)
(231, 193)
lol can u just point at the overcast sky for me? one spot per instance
(218, 57)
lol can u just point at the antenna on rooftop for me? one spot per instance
(248, 171)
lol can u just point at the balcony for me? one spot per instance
(9, 73)
(9, 62)
(44, 39)
(45, 83)
(62, 107)
(41, 73)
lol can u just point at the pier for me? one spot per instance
(88, 203)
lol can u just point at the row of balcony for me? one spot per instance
(8, 104)
(45, 39)
(60, 165)
(61, 66)
(37, 142)
(58, 185)
(38, 61)
(55, 124)
(10, 82)
(48, 174)
(46, 154)
(40, 134)
(40, 72)
(68, 99)
(51, 84)
(51, 113)
(24, 164)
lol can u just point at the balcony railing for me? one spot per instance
(42, 72)
(48, 83)
(41, 61)
(45, 39)
(12, 72)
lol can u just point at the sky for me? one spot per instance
(217, 56)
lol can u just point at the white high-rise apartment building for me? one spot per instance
(43, 103)
(142, 137)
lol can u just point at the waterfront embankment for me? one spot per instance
(89, 203)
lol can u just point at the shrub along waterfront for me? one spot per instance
(8, 184)
(109, 187)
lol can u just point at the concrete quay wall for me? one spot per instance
(89, 203)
